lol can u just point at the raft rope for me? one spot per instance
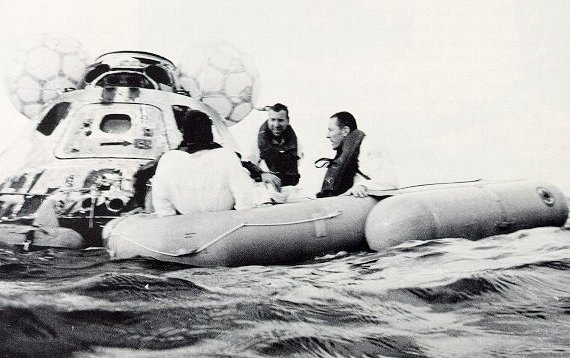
(442, 183)
(480, 180)
(228, 232)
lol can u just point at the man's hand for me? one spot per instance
(357, 190)
(270, 178)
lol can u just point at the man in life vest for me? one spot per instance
(277, 150)
(357, 167)
(200, 175)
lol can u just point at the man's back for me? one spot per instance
(207, 180)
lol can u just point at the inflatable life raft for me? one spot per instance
(297, 231)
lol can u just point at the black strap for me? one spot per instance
(193, 148)
(363, 175)
(326, 162)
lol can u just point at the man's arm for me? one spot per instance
(241, 186)
(376, 164)
(253, 155)
(258, 172)
(160, 201)
(140, 180)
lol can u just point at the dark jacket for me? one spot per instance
(341, 170)
(280, 154)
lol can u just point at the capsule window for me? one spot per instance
(52, 118)
(127, 79)
(115, 123)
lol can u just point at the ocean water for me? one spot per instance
(503, 296)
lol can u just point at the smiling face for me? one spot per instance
(277, 122)
(336, 134)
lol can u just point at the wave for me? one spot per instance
(318, 346)
(28, 333)
(499, 296)
(121, 286)
(461, 290)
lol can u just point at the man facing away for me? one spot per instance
(357, 168)
(200, 175)
(277, 149)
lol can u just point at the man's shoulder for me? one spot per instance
(168, 154)
(223, 152)
(175, 157)
(174, 153)
(369, 145)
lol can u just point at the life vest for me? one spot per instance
(280, 154)
(341, 170)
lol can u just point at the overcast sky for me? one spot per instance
(454, 89)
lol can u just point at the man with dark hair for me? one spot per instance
(345, 119)
(350, 172)
(200, 175)
(277, 149)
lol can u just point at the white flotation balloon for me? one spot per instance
(41, 69)
(222, 77)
